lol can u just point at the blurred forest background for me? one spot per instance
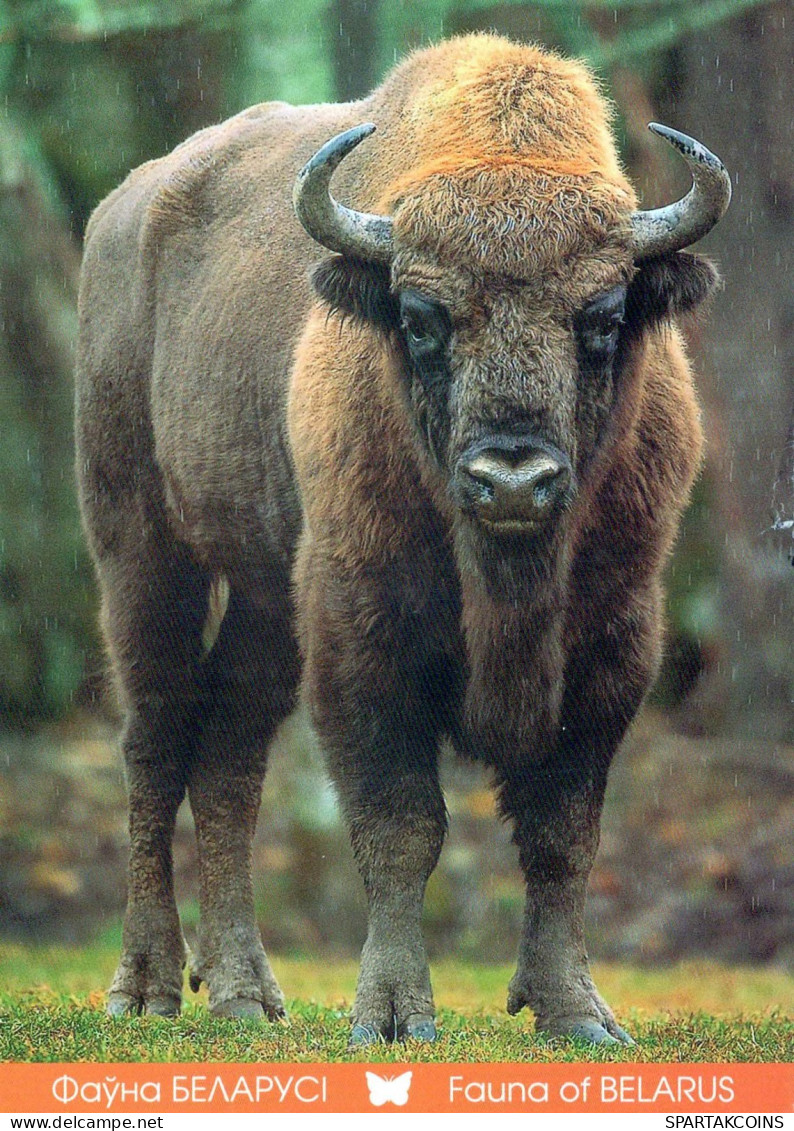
(698, 851)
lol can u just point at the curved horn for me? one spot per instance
(360, 234)
(678, 225)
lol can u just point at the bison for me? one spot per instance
(425, 459)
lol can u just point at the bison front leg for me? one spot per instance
(379, 712)
(397, 822)
(556, 818)
(556, 807)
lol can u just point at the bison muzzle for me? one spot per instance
(425, 458)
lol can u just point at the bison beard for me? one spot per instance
(440, 481)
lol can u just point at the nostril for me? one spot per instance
(550, 486)
(505, 490)
(482, 477)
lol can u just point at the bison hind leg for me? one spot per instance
(252, 673)
(154, 606)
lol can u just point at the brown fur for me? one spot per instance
(230, 425)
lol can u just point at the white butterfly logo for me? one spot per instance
(388, 1089)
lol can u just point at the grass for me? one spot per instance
(51, 1009)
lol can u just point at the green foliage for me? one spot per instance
(284, 52)
(44, 610)
(290, 44)
(79, 20)
(637, 26)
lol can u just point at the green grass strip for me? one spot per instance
(52, 1009)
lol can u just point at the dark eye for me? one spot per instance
(598, 324)
(425, 324)
(417, 334)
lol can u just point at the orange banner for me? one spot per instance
(433, 1088)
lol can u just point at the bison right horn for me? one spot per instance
(676, 226)
(360, 234)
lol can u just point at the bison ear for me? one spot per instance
(669, 285)
(358, 287)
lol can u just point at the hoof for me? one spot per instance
(623, 1037)
(163, 1007)
(249, 1009)
(125, 1005)
(418, 1031)
(362, 1035)
(591, 1032)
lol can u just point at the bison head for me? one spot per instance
(515, 299)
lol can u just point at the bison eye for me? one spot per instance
(598, 324)
(425, 325)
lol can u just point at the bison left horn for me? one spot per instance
(663, 230)
(336, 227)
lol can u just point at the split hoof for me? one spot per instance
(249, 1009)
(423, 1030)
(591, 1032)
(121, 1004)
(363, 1034)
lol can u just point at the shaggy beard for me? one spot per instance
(517, 570)
(513, 610)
